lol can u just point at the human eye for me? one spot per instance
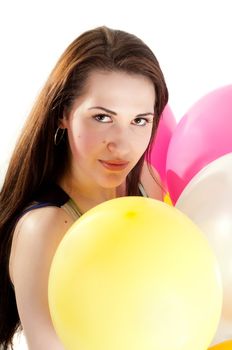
(141, 121)
(102, 118)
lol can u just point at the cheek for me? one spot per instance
(141, 147)
(85, 142)
(141, 142)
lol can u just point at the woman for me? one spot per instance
(84, 143)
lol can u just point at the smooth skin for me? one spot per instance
(109, 128)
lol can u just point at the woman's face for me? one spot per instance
(109, 127)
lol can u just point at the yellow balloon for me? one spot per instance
(135, 273)
(227, 345)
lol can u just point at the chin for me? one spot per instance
(112, 182)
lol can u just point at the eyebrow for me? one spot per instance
(114, 113)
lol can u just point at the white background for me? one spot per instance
(191, 39)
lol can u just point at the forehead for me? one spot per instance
(112, 87)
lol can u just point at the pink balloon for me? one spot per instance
(159, 149)
(203, 135)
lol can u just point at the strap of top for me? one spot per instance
(142, 190)
(51, 195)
(71, 208)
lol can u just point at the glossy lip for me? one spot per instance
(117, 165)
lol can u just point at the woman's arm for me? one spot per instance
(35, 241)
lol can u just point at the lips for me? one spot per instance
(115, 165)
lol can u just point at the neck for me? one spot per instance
(86, 196)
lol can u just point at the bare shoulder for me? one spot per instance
(36, 238)
(41, 228)
(151, 184)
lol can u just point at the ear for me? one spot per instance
(63, 121)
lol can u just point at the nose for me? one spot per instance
(119, 143)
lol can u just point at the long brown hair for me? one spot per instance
(36, 162)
